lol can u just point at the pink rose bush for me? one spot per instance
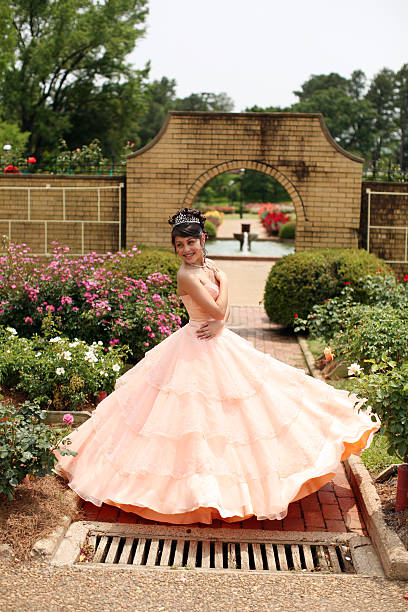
(89, 297)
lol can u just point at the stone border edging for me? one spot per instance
(47, 546)
(389, 546)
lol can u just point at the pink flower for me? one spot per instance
(28, 320)
(68, 418)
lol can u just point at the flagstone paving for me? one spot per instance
(332, 509)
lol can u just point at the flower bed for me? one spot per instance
(57, 373)
(370, 338)
(88, 298)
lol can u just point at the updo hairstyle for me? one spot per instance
(195, 230)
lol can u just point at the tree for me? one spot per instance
(348, 120)
(209, 102)
(381, 94)
(402, 115)
(321, 82)
(159, 99)
(64, 51)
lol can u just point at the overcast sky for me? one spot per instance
(259, 51)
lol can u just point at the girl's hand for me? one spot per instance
(219, 275)
(209, 329)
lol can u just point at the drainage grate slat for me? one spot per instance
(218, 555)
(321, 555)
(308, 557)
(297, 564)
(205, 554)
(244, 556)
(153, 550)
(256, 548)
(137, 559)
(192, 553)
(165, 556)
(169, 551)
(126, 551)
(232, 557)
(270, 557)
(283, 564)
(178, 554)
(100, 553)
(334, 562)
(113, 550)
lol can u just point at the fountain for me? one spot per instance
(245, 237)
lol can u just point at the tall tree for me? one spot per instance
(382, 95)
(159, 99)
(205, 101)
(402, 115)
(63, 50)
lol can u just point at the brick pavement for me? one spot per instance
(333, 508)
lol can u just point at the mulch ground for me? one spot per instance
(37, 508)
(397, 521)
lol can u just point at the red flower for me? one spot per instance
(31, 160)
(11, 169)
(296, 316)
(347, 282)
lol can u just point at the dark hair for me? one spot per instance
(195, 230)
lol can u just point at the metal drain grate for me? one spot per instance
(206, 554)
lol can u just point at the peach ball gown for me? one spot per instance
(200, 430)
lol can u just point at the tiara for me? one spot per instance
(182, 218)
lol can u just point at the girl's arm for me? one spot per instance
(216, 309)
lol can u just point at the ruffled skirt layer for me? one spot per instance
(202, 430)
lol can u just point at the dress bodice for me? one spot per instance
(195, 312)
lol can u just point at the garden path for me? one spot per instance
(332, 509)
(229, 226)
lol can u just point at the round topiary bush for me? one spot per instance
(150, 261)
(287, 230)
(297, 282)
(211, 230)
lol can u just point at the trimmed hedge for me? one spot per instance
(210, 229)
(150, 261)
(297, 282)
(287, 230)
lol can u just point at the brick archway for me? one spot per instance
(323, 180)
(202, 180)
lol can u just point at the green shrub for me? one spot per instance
(297, 282)
(211, 230)
(27, 445)
(386, 391)
(287, 230)
(150, 261)
(56, 372)
(369, 332)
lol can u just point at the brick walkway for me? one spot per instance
(333, 508)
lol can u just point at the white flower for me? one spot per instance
(354, 369)
(90, 356)
(102, 372)
(73, 344)
(116, 367)
(56, 339)
(67, 355)
(11, 331)
(38, 354)
(60, 371)
(100, 342)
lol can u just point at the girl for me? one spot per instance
(206, 426)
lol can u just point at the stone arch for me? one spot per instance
(206, 176)
(323, 180)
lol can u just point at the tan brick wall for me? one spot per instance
(390, 211)
(65, 209)
(322, 179)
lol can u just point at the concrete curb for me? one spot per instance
(389, 546)
(47, 546)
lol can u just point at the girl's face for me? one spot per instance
(190, 249)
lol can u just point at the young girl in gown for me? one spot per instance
(206, 426)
